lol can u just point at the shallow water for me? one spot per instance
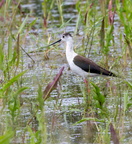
(60, 121)
(65, 106)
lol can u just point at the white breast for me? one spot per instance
(70, 54)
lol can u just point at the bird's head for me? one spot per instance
(66, 37)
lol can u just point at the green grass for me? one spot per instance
(106, 102)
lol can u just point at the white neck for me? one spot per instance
(69, 46)
(70, 54)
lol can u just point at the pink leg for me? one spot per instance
(86, 83)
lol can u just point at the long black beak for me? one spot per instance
(55, 42)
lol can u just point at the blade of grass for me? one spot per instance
(1, 56)
(10, 51)
(22, 25)
(6, 138)
(52, 85)
(11, 81)
(89, 119)
(113, 134)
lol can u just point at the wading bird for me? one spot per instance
(79, 64)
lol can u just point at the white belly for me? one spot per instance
(70, 54)
(75, 68)
(78, 70)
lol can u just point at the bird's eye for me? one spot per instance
(63, 36)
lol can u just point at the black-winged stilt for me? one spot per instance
(79, 64)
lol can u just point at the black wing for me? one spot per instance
(89, 66)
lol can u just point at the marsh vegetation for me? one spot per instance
(41, 100)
